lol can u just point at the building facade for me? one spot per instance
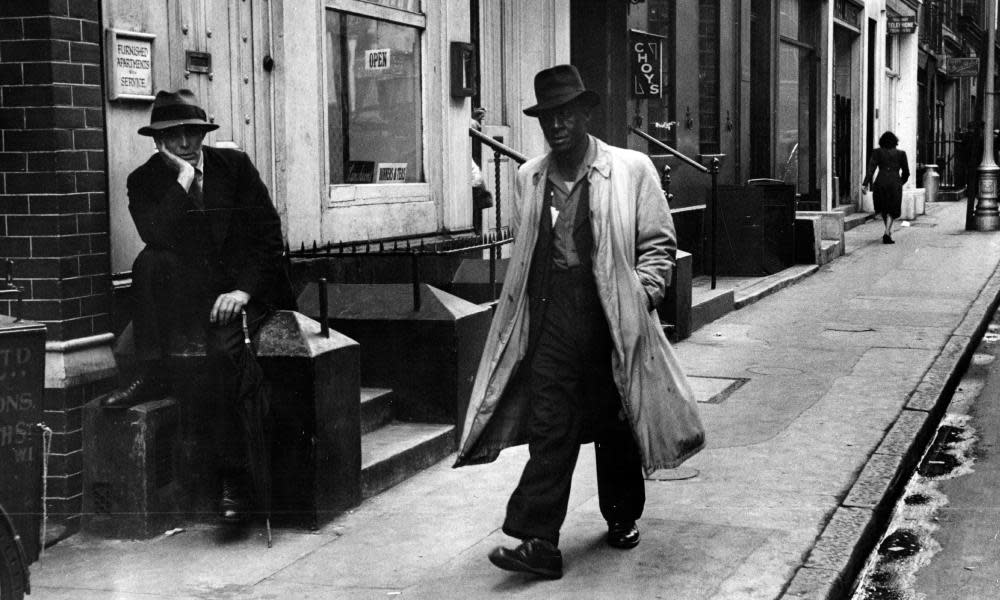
(357, 114)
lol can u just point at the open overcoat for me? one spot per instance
(633, 260)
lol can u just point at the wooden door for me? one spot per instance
(236, 90)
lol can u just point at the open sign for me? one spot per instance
(378, 59)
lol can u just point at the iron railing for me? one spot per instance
(415, 250)
(712, 170)
(499, 151)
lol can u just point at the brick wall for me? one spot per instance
(53, 198)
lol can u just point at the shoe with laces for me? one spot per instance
(537, 556)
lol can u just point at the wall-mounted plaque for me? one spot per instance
(129, 65)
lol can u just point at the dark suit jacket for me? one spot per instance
(244, 249)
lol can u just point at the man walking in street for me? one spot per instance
(575, 352)
(211, 269)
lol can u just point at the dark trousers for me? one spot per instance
(174, 296)
(573, 400)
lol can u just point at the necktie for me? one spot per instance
(197, 195)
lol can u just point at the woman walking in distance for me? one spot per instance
(893, 171)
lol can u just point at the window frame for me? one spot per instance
(340, 194)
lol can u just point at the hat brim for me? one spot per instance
(153, 128)
(589, 97)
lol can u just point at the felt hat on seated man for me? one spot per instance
(176, 109)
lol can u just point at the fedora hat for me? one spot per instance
(557, 86)
(173, 109)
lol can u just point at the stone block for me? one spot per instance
(428, 356)
(675, 309)
(132, 474)
(845, 542)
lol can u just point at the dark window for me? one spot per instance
(847, 12)
(708, 76)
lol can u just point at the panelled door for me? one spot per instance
(236, 89)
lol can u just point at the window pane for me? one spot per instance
(373, 91)
(793, 144)
(789, 25)
(708, 76)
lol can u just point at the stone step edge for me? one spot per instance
(376, 408)
(427, 444)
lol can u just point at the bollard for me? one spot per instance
(932, 181)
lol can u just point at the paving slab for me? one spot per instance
(837, 374)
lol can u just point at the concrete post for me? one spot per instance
(987, 215)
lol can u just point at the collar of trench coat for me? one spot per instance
(633, 258)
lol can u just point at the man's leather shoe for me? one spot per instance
(140, 389)
(623, 535)
(534, 555)
(231, 504)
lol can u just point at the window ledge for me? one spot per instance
(376, 193)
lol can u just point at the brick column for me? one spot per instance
(54, 214)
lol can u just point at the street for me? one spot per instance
(765, 515)
(944, 540)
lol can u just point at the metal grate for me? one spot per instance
(102, 498)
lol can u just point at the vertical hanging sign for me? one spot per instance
(646, 58)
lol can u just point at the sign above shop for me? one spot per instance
(129, 65)
(896, 25)
(955, 66)
(646, 53)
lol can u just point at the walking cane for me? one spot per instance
(267, 500)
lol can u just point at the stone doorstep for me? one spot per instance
(857, 524)
(393, 453)
(376, 408)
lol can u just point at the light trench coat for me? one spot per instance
(633, 260)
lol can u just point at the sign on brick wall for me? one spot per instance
(129, 65)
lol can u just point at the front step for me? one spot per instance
(855, 219)
(376, 408)
(397, 451)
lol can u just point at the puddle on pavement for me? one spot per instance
(909, 542)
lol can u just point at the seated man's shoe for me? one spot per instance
(534, 555)
(140, 389)
(232, 506)
(623, 535)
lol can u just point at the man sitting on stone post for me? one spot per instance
(212, 267)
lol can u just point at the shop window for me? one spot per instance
(708, 76)
(373, 90)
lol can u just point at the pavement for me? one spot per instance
(816, 401)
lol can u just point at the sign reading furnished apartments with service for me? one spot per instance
(129, 65)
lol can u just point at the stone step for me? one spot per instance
(376, 408)
(854, 219)
(707, 304)
(829, 250)
(397, 451)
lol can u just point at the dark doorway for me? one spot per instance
(598, 34)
